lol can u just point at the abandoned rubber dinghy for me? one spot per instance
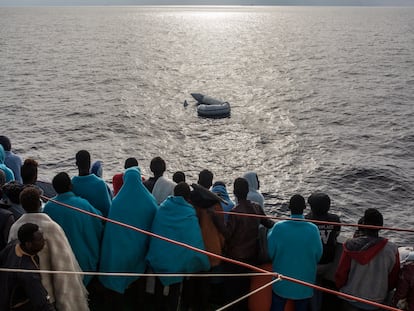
(209, 107)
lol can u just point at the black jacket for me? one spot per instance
(22, 291)
(329, 233)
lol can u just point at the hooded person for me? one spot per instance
(11, 160)
(7, 171)
(123, 249)
(176, 219)
(6, 216)
(254, 194)
(163, 188)
(227, 204)
(369, 265)
(97, 169)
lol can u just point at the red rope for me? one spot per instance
(316, 221)
(246, 265)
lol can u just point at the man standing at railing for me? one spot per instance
(19, 290)
(369, 265)
(295, 248)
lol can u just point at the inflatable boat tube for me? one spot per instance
(214, 111)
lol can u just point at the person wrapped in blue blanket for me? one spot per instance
(176, 219)
(124, 249)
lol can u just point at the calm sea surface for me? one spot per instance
(322, 98)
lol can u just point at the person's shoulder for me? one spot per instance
(392, 246)
(333, 217)
(14, 156)
(9, 248)
(5, 212)
(313, 226)
(281, 225)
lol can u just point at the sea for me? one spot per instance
(322, 98)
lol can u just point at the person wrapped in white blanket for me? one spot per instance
(66, 291)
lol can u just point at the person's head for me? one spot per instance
(157, 166)
(12, 191)
(130, 162)
(219, 183)
(240, 188)
(97, 168)
(297, 204)
(62, 183)
(219, 188)
(183, 189)
(178, 177)
(30, 238)
(205, 179)
(5, 142)
(30, 199)
(253, 180)
(372, 217)
(319, 202)
(83, 161)
(29, 171)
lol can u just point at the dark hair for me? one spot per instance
(130, 162)
(5, 142)
(30, 199)
(157, 166)
(297, 204)
(26, 232)
(29, 171)
(83, 159)
(319, 202)
(62, 183)
(12, 190)
(372, 217)
(205, 178)
(241, 188)
(182, 189)
(178, 177)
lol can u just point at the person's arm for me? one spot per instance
(218, 218)
(36, 293)
(7, 226)
(337, 229)
(341, 275)
(393, 275)
(265, 221)
(403, 286)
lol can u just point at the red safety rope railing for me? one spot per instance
(316, 221)
(240, 263)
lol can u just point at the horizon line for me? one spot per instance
(391, 5)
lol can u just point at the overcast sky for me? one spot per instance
(207, 2)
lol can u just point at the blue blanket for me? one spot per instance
(123, 249)
(176, 219)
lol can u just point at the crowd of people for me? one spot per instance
(160, 270)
